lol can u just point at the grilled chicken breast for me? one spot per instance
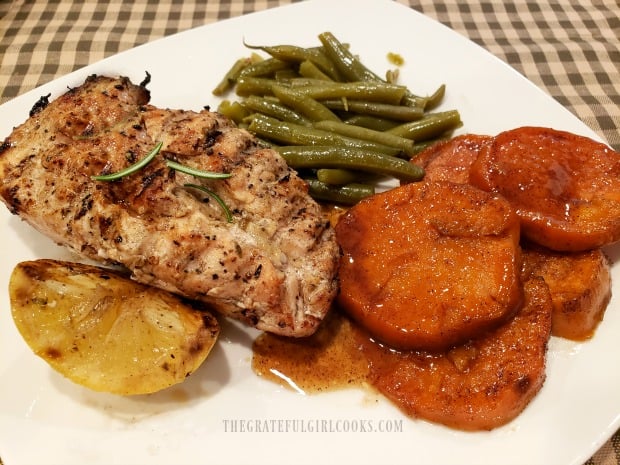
(273, 266)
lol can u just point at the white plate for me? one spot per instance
(46, 419)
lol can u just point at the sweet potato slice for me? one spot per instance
(580, 285)
(477, 386)
(431, 264)
(564, 187)
(451, 160)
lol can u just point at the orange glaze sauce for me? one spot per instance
(332, 358)
(476, 386)
(462, 388)
(329, 359)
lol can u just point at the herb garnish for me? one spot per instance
(132, 168)
(217, 198)
(196, 172)
(177, 167)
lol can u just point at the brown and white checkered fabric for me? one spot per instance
(569, 48)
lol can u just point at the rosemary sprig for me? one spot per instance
(217, 198)
(132, 168)
(177, 167)
(196, 172)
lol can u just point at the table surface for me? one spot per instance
(569, 48)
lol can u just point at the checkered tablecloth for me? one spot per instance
(569, 48)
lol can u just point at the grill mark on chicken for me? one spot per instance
(274, 267)
(5, 145)
(40, 104)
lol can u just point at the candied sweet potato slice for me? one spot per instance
(428, 265)
(564, 187)
(580, 286)
(451, 160)
(481, 385)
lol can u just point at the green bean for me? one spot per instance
(263, 68)
(349, 194)
(264, 143)
(371, 122)
(384, 138)
(342, 176)
(285, 75)
(275, 109)
(295, 54)
(391, 76)
(373, 91)
(254, 86)
(305, 81)
(308, 69)
(415, 101)
(303, 104)
(328, 113)
(336, 176)
(233, 110)
(432, 125)
(361, 90)
(346, 63)
(300, 157)
(295, 134)
(230, 78)
(383, 110)
(435, 99)
(354, 70)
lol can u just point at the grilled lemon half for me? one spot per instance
(103, 331)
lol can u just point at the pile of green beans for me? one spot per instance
(343, 127)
